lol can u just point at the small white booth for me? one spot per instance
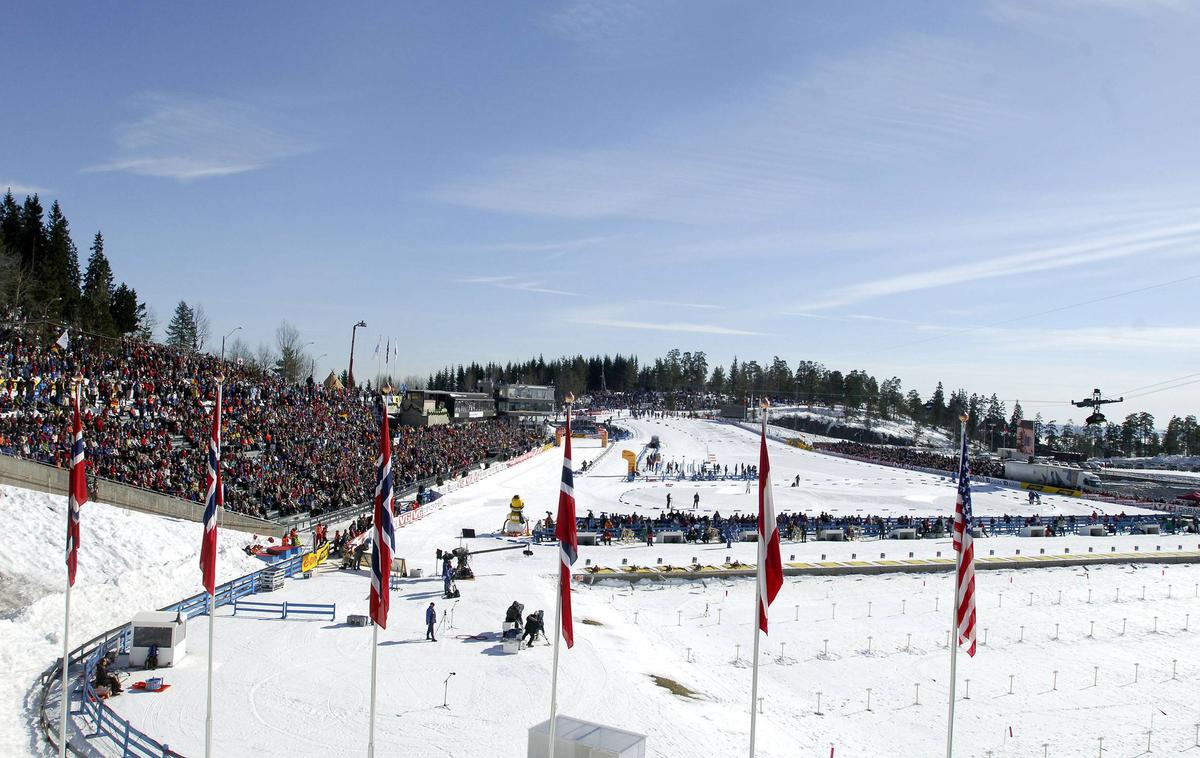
(576, 738)
(166, 629)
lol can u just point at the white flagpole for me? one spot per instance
(66, 682)
(557, 628)
(954, 613)
(66, 657)
(374, 659)
(212, 599)
(554, 676)
(759, 580)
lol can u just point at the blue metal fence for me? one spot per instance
(131, 741)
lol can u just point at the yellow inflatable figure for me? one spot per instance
(516, 523)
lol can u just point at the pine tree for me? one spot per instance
(126, 309)
(31, 240)
(60, 284)
(98, 291)
(181, 331)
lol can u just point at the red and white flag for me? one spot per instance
(384, 535)
(964, 543)
(214, 499)
(76, 488)
(770, 565)
(568, 540)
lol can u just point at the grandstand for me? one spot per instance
(289, 450)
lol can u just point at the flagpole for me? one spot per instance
(374, 659)
(554, 676)
(954, 610)
(383, 545)
(212, 597)
(66, 689)
(758, 591)
(66, 657)
(570, 398)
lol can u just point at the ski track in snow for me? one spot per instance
(301, 687)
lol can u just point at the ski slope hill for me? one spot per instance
(300, 688)
(128, 562)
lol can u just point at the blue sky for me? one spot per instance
(999, 195)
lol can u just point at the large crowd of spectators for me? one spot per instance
(911, 457)
(286, 448)
(800, 527)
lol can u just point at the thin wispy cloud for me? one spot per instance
(1158, 240)
(697, 306)
(590, 21)
(1038, 13)
(22, 188)
(189, 138)
(552, 248)
(759, 155)
(516, 283)
(1091, 339)
(665, 326)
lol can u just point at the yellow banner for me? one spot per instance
(1051, 490)
(311, 560)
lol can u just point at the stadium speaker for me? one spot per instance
(468, 533)
(355, 619)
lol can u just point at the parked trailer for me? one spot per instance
(1050, 475)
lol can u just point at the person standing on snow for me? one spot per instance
(430, 620)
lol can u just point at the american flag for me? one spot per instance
(76, 488)
(568, 540)
(384, 534)
(964, 543)
(213, 500)
(770, 565)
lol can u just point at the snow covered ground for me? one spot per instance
(836, 416)
(128, 562)
(301, 687)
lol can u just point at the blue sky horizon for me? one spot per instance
(997, 195)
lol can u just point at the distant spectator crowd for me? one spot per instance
(287, 449)
(908, 457)
(800, 527)
(650, 403)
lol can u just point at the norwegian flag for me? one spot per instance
(214, 499)
(76, 488)
(770, 565)
(568, 540)
(964, 543)
(384, 534)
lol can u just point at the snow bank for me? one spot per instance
(128, 562)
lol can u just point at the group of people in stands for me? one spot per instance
(906, 457)
(287, 448)
(798, 527)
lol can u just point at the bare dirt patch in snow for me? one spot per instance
(675, 687)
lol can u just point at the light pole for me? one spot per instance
(350, 372)
(312, 364)
(231, 331)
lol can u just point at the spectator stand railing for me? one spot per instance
(105, 723)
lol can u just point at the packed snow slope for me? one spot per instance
(301, 687)
(128, 562)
